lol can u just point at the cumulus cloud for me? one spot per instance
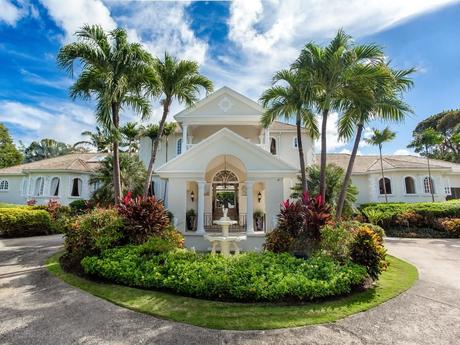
(333, 141)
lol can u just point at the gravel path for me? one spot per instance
(36, 308)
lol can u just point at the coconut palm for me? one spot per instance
(288, 99)
(377, 138)
(100, 140)
(383, 103)
(427, 139)
(330, 71)
(130, 132)
(178, 80)
(117, 73)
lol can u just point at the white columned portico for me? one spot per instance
(250, 207)
(200, 220)
(184, 138)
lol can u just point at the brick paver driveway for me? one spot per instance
(36, 308)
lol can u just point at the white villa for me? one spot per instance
(219, 155)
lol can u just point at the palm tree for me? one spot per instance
(330, 71)
(117, 73)
(168, 129)
(130, 132)
(384, 102)
(45, 148)
(178, 80)
(427, 139)
(290, 100)
(100, 140)
(377, 139)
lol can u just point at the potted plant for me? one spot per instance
(190, 218)
(259, 220)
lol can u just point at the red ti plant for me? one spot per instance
(318, 213)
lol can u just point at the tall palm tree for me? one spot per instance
(384, 103)
(180, 80)
(427, 139)
(289, 98)
(130, 132)
(100, 140)
(330, 71)
(377, 138)
(168, 129)
(117, 73)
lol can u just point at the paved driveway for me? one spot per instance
(36, 308)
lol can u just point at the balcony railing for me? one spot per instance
(239, 227)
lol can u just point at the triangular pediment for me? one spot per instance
(224, 102)
(226, 142)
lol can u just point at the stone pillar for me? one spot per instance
(184, 138)
(267, 139)
(249, 207)
(200, 215)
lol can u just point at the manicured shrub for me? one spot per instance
(335, 242)
(142, 218)
(173, 236)
(451, 226)
(409, 218)
(367, 250)
(92, 233)
(278, 241)
(24, 221)
(246, 277)
(79, 206)
(354, 226)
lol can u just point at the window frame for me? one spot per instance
(41, 190)
(414, 185)
(58, 186)
(433, 187)
(3, 183)
(72, 187)
(391, 186)
(273, 139)
(178, 146)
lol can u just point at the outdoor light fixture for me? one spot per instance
(192, 196)
(259, 196)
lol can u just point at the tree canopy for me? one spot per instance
(447, 125)
(45, 148)
(9, 154)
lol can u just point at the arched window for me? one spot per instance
(273, 146)
(39, 184)
(54, 187)
(3, 185)
(225, 176)
(76, 187)
(179, 146)
(410, 185)
(428, 185)
(387, 186)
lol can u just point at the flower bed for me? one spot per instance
(246, 277)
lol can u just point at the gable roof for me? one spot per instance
(226, 142)
(371, 163)
(81, 162)
(253, 107)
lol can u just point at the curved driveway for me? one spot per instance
(36, 308)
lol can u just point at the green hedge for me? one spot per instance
(245, 277)
(21, 222)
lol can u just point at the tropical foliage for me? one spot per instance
(100, 140)
(117, 73)
(45, 148)
(177, 80)
(447, 124)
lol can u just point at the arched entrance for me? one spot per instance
(225, 191)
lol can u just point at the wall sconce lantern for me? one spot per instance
(259, 196)
(192, 196)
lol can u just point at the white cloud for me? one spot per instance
(402, 152)
(11, 12)
(333, 141)
(39, 80)
(71, 15)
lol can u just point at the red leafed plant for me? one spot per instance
(142, 217)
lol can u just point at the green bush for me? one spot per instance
(92, 233)
(246, 277)
(451, 226)
(278, 241)
(366, 249)
(21, 222)
(335, 242)
(78, 206)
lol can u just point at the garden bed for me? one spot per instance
(399, 277)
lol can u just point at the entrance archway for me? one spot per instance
(225, 191)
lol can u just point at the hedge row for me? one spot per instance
(246, 277)
(21, 222)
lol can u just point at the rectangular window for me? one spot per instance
(76, 187)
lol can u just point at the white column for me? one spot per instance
(250, 207)
(267, 139)
(200, 221)
(184, 138)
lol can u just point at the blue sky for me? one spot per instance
(239, 44)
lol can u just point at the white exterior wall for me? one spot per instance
(16, 194)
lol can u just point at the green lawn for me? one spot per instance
(238, 316)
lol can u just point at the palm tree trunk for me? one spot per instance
(347, 177)
(322, 171)
(166, 105)
(301, 156)
(116, 156)
(429, 174)
(383, 176)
